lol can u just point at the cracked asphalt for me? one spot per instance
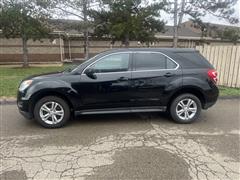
(123, 146)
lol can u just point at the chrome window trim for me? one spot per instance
(131, 52)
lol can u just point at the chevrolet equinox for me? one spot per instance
(178, 81)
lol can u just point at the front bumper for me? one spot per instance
(27, 115)
(24, 107)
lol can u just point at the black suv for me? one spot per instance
(179, 81)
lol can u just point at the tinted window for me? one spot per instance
(112, 63)
(170, 64)
(193, 60)
(152, 61)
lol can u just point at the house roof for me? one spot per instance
(186, 29)
(182, 31)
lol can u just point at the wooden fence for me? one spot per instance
(226, 60)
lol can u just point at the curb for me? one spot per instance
(10, 101)
(6, 101)
(229, 97)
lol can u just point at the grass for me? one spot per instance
(10, 78)
(226, 91)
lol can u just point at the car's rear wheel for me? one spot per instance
(185, 108)
(52, 112)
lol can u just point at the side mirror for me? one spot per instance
(91, 73)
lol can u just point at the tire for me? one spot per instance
(44, 108)
(179, 108)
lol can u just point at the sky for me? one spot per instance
(208, 18)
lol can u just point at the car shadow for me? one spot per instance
(121, 118)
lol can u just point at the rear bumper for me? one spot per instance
(209, 104)
(211, 97)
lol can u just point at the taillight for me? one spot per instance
(212, 74)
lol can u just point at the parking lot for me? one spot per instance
(123, 146)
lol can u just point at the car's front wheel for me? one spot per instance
(185, 108)
(52, 112)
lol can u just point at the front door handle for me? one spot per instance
(169, 74)
(123, 79)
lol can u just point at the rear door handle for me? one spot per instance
(123, 79)
(168, 74)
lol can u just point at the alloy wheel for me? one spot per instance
(51, 112)
(186, 109)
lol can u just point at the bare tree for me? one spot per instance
(79, 9)
(196, 9)
(175, 36)
(181, 13)
(86, 39)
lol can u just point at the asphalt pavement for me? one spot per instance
(123, 146)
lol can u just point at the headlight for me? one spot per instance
(25, 84)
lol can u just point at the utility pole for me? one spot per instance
(175, 36)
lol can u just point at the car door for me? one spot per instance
(153, 77)
(109, 88)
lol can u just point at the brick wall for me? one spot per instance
(39, 51)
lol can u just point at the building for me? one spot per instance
(67, 43)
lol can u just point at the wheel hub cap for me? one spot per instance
(51, 112)
(186, 109)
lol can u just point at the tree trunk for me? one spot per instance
(181, 13)
(126, 41)
(25, 51)
(86, 39)
(175, 36)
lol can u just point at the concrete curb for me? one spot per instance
(6, 101)
(229, 97)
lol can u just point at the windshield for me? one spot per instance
(77, 66)
(70, 68)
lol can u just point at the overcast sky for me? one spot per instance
(209, 18)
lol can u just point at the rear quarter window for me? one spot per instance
(193, 60)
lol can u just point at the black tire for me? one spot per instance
(58, 100)
(173, 108)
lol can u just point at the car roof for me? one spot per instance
(152, 50)
(173, 53)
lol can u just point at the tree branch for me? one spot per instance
(181, 12)
(69, 12)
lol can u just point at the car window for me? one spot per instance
(112, 63)
(193, 60)
(170, 64)
(152, 61)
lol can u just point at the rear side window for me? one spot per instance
(193, 60)
(152, 61)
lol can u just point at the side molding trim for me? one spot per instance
(122, 110)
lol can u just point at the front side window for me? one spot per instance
(153, 61)
(112, 63)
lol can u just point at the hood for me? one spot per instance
(46, 76)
